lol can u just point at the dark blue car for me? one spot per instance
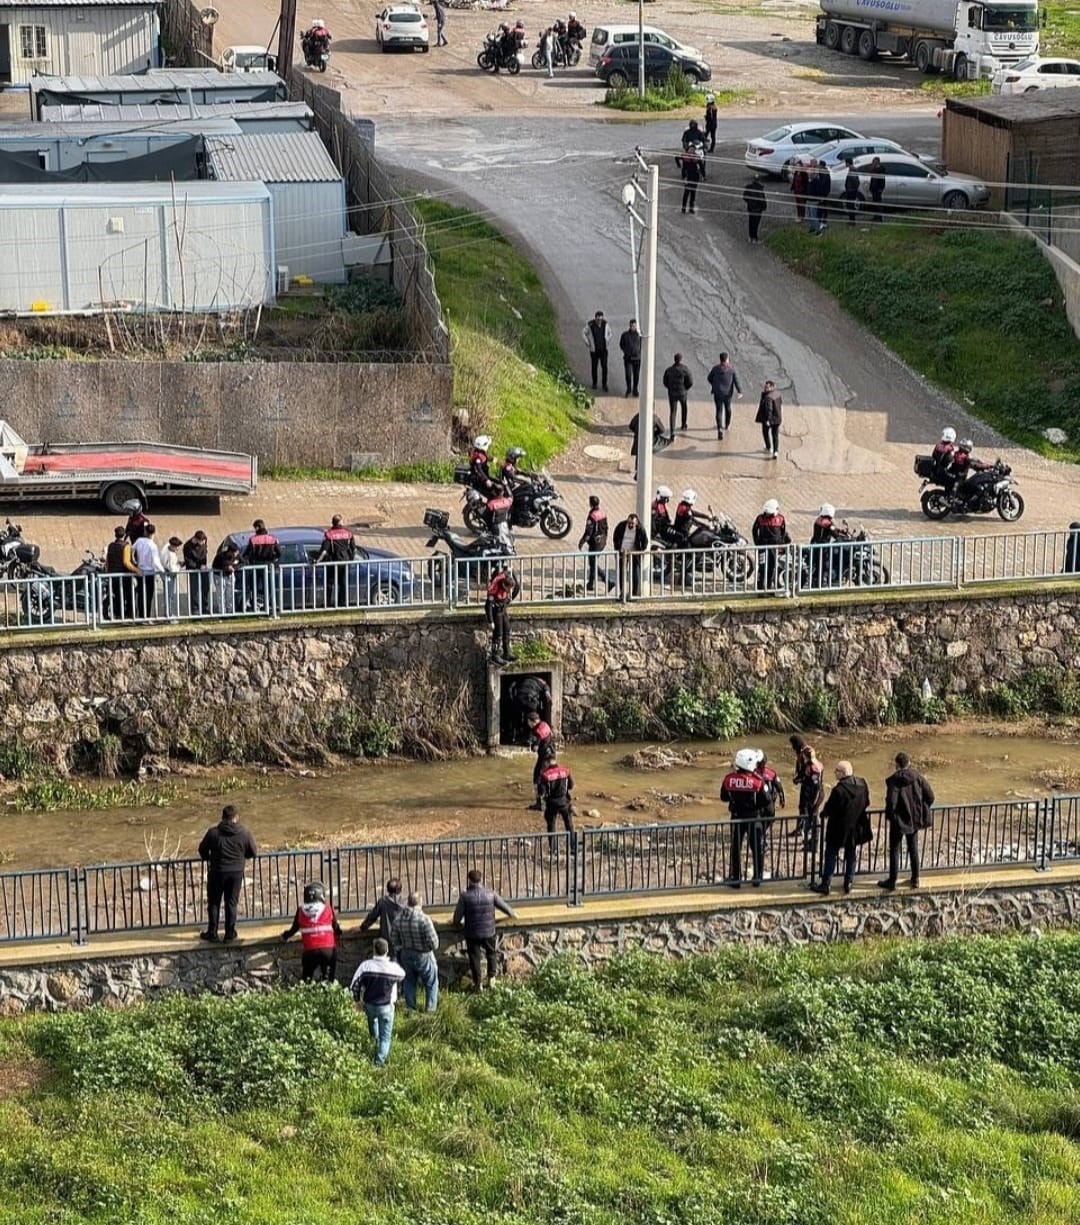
(376, 577)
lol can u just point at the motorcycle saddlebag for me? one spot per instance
(436, 520)
(462, 474)
(27, 553)
(924, 466)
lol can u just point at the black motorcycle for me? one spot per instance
(717, 544)
(564, 54)
(848, 562)
(535, 505)
(316, 51)
(988, 489)
(494, 56)
(475, 561)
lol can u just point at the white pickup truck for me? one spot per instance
(248, 59)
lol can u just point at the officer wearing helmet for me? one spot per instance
(943, 451)
(959, 468)
(745, 793)
(712, 118)
(686, 518)
(575, 30)
(1072, 549)
(319, 934)
(479, 473)
(769, 532)
(511, 474)
(823, 558)
(662, 527)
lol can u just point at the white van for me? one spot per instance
(608, 36)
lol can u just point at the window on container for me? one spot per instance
(33, 43)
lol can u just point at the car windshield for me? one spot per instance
(251, 59)
(1011, 19)
(1022, 66)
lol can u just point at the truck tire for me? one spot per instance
(117, 494)
(867, 45)
(849, 40)
(924, 59)
(960, 68)
(832, 35)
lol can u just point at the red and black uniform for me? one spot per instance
(662, 528)
(479, 472)
(338, 545)
(942, 456)
(542, 739)
(136, 525)
(510, 475)
(809, 776)
(747, 802)
(502, 589)
(769, 531)
(686, 522)
(319, 933)
(262, 549)
(774, 789)
(823, 562)
(594, 538)
(555, 790)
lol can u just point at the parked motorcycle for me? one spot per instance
(987, 490)
(13, 551)
(717, 544)
(474, 560)
(316, 52)
(563, 54)
(826, 566)
(535, 505)
(493, 56)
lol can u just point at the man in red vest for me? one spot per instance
(338, 546)
(319, 932)
(556, 790)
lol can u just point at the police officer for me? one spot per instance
(686, 518)
(555, 790)
(769, 531)
(479, 474)
(319, 933)
(823, 534)
(773, 785)
(502, 590)
(662, 527)
(511, 474)
(338, 546)
(594, 538)
(262, 549)
(497, 513)
(744, 790)
(530, 695)
(809, 775)
(943, 451)
(542, 739)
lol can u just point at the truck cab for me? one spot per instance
(248, 59)
(992, 33)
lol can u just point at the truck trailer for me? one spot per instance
(968, 39)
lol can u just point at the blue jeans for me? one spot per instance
(420, 967)
(380, 1020)
(815, 217)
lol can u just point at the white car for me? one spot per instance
(834, 152)
(910, 183)
(605, 36)
(770, 153)
(1030, 75)
(401, 25)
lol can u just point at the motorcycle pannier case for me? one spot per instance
(436, 520)
(27, 553)
(462, 474)
(924, 466)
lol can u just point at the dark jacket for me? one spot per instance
(630, 344)
(770, 529)
(262, 549)
(1072, 553)
(678, 380)
(908, 800)
(658, 431)
(194, 554)
(770, 408)
(723, 380)
(475, 911)
(847, 801)
(851, 185)
(754, 197)
(384, 912)
(641, 539)
(691, 168)
(595, 534)
(226, 845)
(820, 185)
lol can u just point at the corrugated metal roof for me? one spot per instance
(36, 195)
(79, 4)
(159, 80)
(271, 157)
(1002, 110)
(171, 112)
(39, 133)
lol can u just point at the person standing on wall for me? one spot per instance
(630, 344)
(844, 815)
(319, 935)
(909, 803)
(475, 914)
(225, 848)
(597, 336)
(594, 538)
(678, 380)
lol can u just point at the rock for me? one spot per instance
(1053, 435)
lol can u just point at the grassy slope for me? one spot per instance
(880, 1084)
(966, 310)
(1061, 34)
(510, 371)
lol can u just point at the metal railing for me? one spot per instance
(90, 602)
(79, 903)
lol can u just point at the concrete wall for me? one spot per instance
(1063, 256)
(284, 684)
(130, 978)
(397, 413)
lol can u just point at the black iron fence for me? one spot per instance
(80, 903)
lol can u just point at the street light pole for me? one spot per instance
(641, 48)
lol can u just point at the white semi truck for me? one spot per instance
(968, 39)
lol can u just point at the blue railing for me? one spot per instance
(80, 903)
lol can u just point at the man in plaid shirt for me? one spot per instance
(415, 941)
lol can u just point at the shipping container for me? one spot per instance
(77, 37)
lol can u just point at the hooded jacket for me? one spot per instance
(226, 846)
(908, 800)
(770, 408)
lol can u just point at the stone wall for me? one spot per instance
(394, 413)
(178, 688)
(227, 970)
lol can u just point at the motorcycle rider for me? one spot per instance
(319, 934)
(687, 520)
(315, 40)
(555, 790)
(594, 538)
(769, 531)
(662, 527)
(575, 32)
(693, 135)
(744, 790)
(823, 560)
(479, 473)
(943, 451)
(502, 590)
(542, 739)
(967, 473)
(511, 474)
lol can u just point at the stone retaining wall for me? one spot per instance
(227, 970)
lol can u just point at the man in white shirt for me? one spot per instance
(147, 558)
(172, 562)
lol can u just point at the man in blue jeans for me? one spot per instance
(375, 985)
(415, 940)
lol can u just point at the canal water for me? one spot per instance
(406, 801)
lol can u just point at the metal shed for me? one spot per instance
(197, 86)
(1020, 138)
(249, 116)
(77, 36)
(310, 218)
(191, 246)
(61, 146)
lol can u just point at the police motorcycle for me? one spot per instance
(989, 488)
(535, 504)
(715, 544)
(497, 54)
(316, 47)
(849, 561)
(474, 561)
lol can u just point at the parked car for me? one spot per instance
(376, 577)
(605, 36)
(618, 67)
(1030, 75)
(910, 183)
(770, 153)
(401, 25)
(833, 152)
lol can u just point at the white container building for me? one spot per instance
(193, 86)
(77, 37)
(249, 116)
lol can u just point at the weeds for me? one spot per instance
(52, 795)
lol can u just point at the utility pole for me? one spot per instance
(641, 48)
(286, 37)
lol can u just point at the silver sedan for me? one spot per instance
(910, 183)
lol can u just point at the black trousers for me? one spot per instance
(599, 362)
(753, 221)
(850, 207)
(689, 196)
(674, 404)
(875, 205)
(199, 592)
(319, 963)
(632, 370)
(592, 563)
(227, 886)
(144, 595)
(756, 832)
(552, 812)
(500, 632)
(121, 596)
(723, 413)
(711, 134)
(832, 854)
(896, 841)
(478, 949)
(770, 435)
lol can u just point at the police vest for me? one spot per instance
(556, 781)
(316, 925)
(742, 791)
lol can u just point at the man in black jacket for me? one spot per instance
(909, 799)
(630, 344)
(195, 562)
(847, 802)
(678, 381)
(225, 847)
(630, 540)
(594, 537)
(475, 912)
(756, 204)
(385, 911)
(851, 190)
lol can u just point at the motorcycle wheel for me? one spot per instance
(512, 66)
(36, 609)
(1010, 505)
(483, 60)
(737, 566)
(473, 519)
(322, 67)
(537, 62)
(555, 523)
(575, 57)
(935, 504)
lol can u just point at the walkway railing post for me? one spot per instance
(78, 908)
(1049, 829)
(573, 847)
(960, 553)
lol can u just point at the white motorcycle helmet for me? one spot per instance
(663, 494)
(948, 434)
(771, 507)
(317, 23)
(746, 759)
(828, 511)
(481, 442)
(689, 496)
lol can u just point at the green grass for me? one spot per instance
(941, 88)
(872, 1084)
(52, 795)
(511, 377)
(979, 314)
(423, 471)
(1061, 34)
(660, 99)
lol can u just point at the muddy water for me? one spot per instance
(406, 801)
